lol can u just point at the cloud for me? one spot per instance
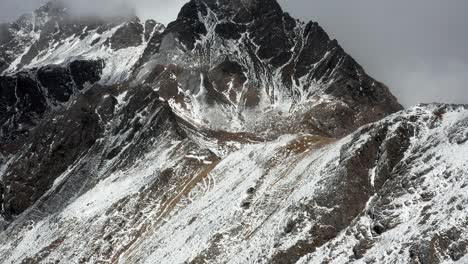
(102, 8)
(420, 81)
(11, 9)
(162, 11)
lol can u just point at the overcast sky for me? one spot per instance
(418, 47)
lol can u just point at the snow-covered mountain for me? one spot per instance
(236, 134)
(50, 55)
(243, 65)
(51, 35)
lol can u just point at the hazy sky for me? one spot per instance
(419, 48)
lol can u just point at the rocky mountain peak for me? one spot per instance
(255, 61)
(237, 134)
(239, 11)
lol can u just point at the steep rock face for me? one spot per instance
(249, 61)
(96, 129)
(25, 97)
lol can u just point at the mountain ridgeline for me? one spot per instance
(235, 134)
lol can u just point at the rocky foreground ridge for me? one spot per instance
(236, 134)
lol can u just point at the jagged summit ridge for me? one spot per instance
(250, 65)
(53, 35)
(239, 11)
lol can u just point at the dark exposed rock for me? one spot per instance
(229, 30)
(58, 81)
(128, 35)
(361, 248)
(26, 96)
(65, 138)
(150, 26)
(60, 143)
(86, 72)
(317, 43)
(187, 27)
(228, 75)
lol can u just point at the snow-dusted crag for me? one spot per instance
(241, 65)
(235, 135)
(53, 35)
(51, 55)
